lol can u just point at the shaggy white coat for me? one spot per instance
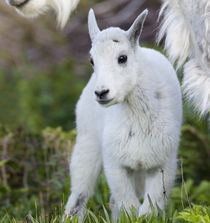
(136, 135)
(186, 24)
(33, 8)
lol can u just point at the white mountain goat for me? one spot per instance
(128, 122)
(33, 8)
(186, 24)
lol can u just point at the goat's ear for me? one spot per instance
(92, 25)
(135, 30)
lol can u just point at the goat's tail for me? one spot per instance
(186, 24)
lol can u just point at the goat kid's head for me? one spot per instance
(33, 8)
(114, 60)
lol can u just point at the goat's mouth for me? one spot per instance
(18, 4)
(104, 101)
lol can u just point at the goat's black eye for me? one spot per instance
(122, 59)
(91, 61)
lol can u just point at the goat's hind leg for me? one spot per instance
(85, 167)
(139, 176)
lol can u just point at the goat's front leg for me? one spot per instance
(85, 168)
(122, 185)
(158, 185)
(114, 209)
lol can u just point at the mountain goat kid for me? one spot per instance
(128, 122)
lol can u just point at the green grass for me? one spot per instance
(179, 209)
(196, 214)
(36, 185)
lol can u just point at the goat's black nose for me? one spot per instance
(102, 94)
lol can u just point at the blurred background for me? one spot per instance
(42, 73)
(43, 69)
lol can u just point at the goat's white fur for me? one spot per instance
(33, 8)
(186, 24)
(134, 136)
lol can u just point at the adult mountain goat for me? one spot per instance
(186, 24)
(128, 122)
(33, 8)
